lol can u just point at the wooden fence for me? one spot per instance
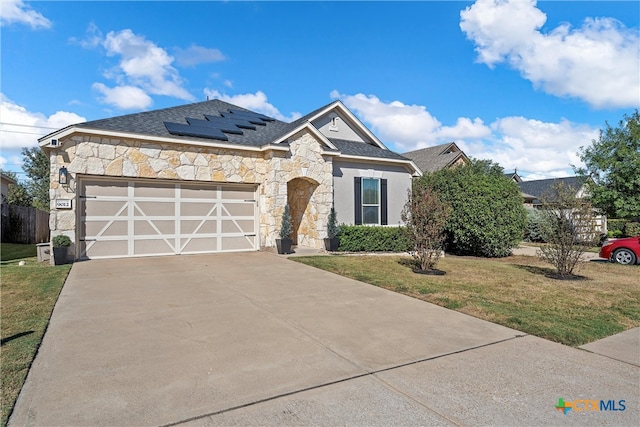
(23, 224)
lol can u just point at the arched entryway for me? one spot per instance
(304, 214)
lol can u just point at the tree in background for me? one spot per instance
(568, 227)
(17, 194)
(488, 216)
(613, 163)
(425, 217)
(36, 166)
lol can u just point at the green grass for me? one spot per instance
(29, 293)
(12, 251)
(514, 292)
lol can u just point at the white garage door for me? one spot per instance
(119, 218)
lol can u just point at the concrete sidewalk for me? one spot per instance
(257, 339)
(624, 347)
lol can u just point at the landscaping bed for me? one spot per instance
(515, 291)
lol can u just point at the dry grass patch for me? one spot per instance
(513, 292)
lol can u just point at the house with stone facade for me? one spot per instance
(214, 177)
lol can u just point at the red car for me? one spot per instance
(623, 251)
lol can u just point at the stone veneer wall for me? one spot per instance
(111, 157)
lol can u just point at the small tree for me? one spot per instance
(533, 231)
(568, 227)
(333, 229)
(285, 226)
(425, 217)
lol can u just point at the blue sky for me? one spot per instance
(522, 83)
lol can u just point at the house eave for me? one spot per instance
(45, 142)
(415, 171)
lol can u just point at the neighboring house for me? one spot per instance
(5, 181)
(214, 177)
(513, 176)
(536, 188)
(533, 191)
(433, 159)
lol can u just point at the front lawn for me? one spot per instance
(513, 291)
(29, 293)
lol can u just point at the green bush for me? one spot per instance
(363, 238)
(632, 229)
(488, 216)
(615, 227)
(615, 233)
(61, 241)
(533, 230)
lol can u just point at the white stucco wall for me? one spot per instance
(344, 172)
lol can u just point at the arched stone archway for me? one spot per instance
(304, 213)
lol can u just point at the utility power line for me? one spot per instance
(27, 126)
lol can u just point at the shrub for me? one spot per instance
(333, 229)
(632, 229)
(488, 216)
(425, 216)
(568, 228)
(363, 238)
(615, 227)
(615, 233)
(533, 230)
(61, 241)
(285, 225)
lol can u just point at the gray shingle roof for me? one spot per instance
(538, 187)
(361, 149)
(433, 159)
(152, 123)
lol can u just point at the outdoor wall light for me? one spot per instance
(63, 176)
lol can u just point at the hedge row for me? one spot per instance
(622, 228)
(362, 238)
(632, 229)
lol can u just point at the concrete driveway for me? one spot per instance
(256, 339)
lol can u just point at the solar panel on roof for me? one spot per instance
(251, 119)
(198, 131)
(241, 123)
(224, 127)
(251, 114)
(215, 127)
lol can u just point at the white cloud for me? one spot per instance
(143, 69)
(597, 63)
(532, 146)
(253, 101)
(195, 55)
(124, 97)
(25, 127)
(145, 65)
(543, 148)
(409, 127)
(15, 11)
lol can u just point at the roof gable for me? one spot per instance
(433, 159)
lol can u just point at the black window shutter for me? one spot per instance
(383, 202)
(357, 190)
